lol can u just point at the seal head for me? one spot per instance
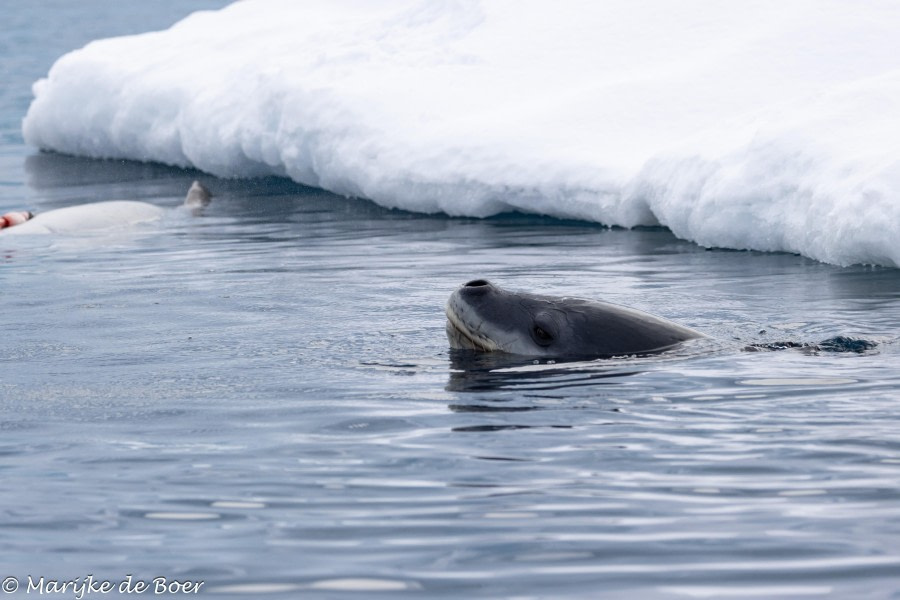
(484, 317)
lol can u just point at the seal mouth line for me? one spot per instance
(479, 342)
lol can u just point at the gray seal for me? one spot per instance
(484, 317)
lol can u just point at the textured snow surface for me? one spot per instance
(761, 125)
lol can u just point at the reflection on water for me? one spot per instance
(48, 170)
(264, 398)
(472, 371)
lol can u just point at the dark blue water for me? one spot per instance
(263, 398)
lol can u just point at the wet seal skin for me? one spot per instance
(484, 317)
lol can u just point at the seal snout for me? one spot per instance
(464, 323)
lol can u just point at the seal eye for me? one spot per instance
(541, 335)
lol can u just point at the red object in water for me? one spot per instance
(14, 218)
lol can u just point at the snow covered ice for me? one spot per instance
(758, 125)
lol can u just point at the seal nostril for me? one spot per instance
(478, 283)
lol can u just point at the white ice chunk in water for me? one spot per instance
(761, 125)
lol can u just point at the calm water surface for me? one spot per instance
(263, 398)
